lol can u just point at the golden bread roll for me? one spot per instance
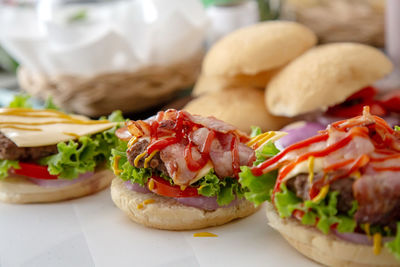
(168, 214)
(327, 249)
(16, 189)
(324, 76)
(241, 107)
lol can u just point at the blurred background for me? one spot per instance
(94, 56)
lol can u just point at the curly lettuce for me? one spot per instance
(76, 157)
(20, 101)
(6, 166)
(394, 245)
(258, 189)
(323, 214)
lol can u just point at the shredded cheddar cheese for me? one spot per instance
(140, 206)
(183, 187)
(132, 141)
(204, 234)
(151, 185)
(256, 138)
(377, 243)
(311, 169)
(116, 170)
(147, 160)
(136, 161)
(322, 194)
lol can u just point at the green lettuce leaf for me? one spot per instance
(257, 189)
(127, 171)
(394, 245)
(226, 190)
(267, 151)
(255, 130)
(78, 157)
(49, 104)
(325, 210)
(397, 128)
(6, 165)
(20, 101)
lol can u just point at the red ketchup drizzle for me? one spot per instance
(182, 129)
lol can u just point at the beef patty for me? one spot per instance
(9, 150)
(300, 186)
(138, 148)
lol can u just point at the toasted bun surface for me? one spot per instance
(260, 47)
(241, 107)
(325, 76)
(327, 249)
(15, 189)
(168, 214)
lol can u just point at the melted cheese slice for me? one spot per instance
(33, 128)
(302, 167)
(202, 172)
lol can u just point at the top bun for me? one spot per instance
(325, 76)
(257, 48)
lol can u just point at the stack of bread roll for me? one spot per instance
(237, 69)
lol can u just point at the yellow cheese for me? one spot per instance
(303, 167)
(202, 172)
(204, 234)
(33, 128)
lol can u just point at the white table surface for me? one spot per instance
(91, 231)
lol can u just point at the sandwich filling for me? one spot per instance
(386, 105)
(345, 181)
(176, 154)
(29, 147)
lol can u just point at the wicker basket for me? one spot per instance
(101, 94)
(340, 20)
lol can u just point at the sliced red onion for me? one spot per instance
(60, 182)
(358, 238)
(298, 132)
(137, 187)
(202, 202)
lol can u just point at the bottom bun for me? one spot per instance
(327, 249)
(16, 189)
(168, 214)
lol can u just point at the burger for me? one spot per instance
(329, 83)
(47, 155)
(335, 196)
(178, 171)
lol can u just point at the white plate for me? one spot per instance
(91, 231)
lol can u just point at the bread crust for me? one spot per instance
(327, 249)
(242, 107)
(324, 76)
(18, 190)
(168, 214)
(257, 48)
(213, 83)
